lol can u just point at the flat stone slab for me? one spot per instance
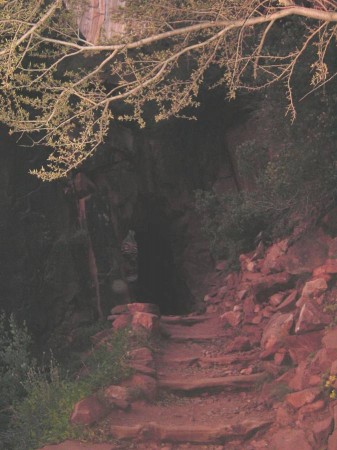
(197, 339)
(181, 361)
(228, 359)
(220, 383)
(76, 445)
(183, 320)
(189, 433)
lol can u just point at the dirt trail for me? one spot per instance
(208, 399)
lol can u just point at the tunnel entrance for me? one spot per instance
(159, 275)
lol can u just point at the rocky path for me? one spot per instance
(209, 389)
(257, 371)
(207, 398)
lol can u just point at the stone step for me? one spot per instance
(232, 358)
(209, 361)
(180, 361)
(183, 320)
(76, 445)
(196, 434)
(182, 338)
(190, 386)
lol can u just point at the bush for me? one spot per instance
(287, 188)
(41, 400)
(15, 362)
(43, 415)
(231, 222)
(106, 364)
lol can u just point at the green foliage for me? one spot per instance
(329, 386)
(43, 415)
(39, 400)
(63, 91)
(106, 364)
(288, 186)
(231, 222)
(15, 362)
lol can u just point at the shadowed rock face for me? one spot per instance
(61, 242)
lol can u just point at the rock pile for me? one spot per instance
(286, 296)
(257, 370)
(140, 317)
(137, 316)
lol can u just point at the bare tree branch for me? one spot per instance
(60, 88)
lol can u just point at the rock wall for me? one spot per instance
(61, 242)
(94, 18)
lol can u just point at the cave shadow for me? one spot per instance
(160, 279)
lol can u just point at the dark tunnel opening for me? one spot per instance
(159, 276)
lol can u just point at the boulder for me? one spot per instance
(140, 368)
(315, 380)
(212, 299)
(281, 356)
(290, 439)
(263, 286)
(277, 298)
(301, 377)
(328, 268)
(88, 411)
(275, 332)
(302, 345)
(306, 254)
(122, 321)
(311, 408)
(329, 339)
(304, 397)
(322, 430)
(150, 308)
(117, 396)
(311, 318)
(283, 416)
(288, 303)
(314, 288)
(144, 385)
(272, 261)
(322, 360)
(233, 318)
(252, 266)
(146, 321)
(268, 312)
(142, 356)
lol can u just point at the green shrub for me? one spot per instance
(15, 362)
(43, 415)
(290, 187)
(106, 364)
(40, 414)
(231, 222)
